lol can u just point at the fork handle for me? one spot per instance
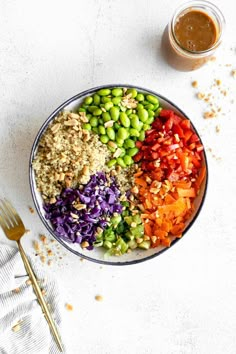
(39, 295)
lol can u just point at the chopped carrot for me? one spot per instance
(200, 178)
(138, 174)
(183, 192)
(141, 182)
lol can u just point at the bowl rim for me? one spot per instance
(33, 193)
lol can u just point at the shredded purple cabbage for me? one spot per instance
(101, 198)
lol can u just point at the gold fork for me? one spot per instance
(14, 229)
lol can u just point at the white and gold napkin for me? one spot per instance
(23, 328)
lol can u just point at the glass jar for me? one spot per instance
(179, 56)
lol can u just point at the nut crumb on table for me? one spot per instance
(16, 290)
(69, 307)
(98, 298)
(31, 210)
(16, 327)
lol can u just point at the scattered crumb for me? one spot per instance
(50, 253)
(16, 328)
(81, 259)
(46, 248)
(195, 84)
(28, 282)
(233, 73)
(213, 59)
(31, 210)
(43, 292)
(27, 231)
(43, 258)
(200, 95)
(217, 128)
(43, 239)
(218, 82)
(36, 246)
(69, 307)
(211, 114)
(98, 298)
(16, 290)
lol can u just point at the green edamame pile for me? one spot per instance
(120, 116)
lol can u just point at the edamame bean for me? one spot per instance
(96, 99)
(105, 99)
(97, 112)
(111, 133)
(128, 160)
(123, 152)
(122, 133)
(152, 99)
(94, 122)
(149, 106)
(86, 126)
(81, 109)
(150, 120)
(134, 132)
(108, 105)
(119, 141)
(129, 143)
(139, 97)
(151, 113)
(114, 112)
(104, 92)
(132, 91)
(141, 135)
(156, 106)
(146, 127)
(95, 130)
(88, 100)
(139, 106)
(121, 162)
(106, 116)
(101, 130)
(116, 100)
(104, 139)
(135, 121)
(157, 112)
(117, 92)
(92, 108)
(116, 126)
(143, 115)
(124, 120)
(111, 163)
(128, 112)
(132, 152)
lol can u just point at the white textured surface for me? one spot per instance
(183, 302)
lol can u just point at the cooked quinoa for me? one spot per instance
(67, 155)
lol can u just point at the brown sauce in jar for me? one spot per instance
(195, 31)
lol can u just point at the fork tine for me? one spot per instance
(7, 220)
(12, 212)
(3, 224)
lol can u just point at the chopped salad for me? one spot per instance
(120, 172)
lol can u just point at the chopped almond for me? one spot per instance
(31, 210)
(69, 307)
(195, 84)
(98, 298)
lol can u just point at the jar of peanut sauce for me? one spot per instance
(193, 34)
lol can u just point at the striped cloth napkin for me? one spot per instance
(23, 328)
